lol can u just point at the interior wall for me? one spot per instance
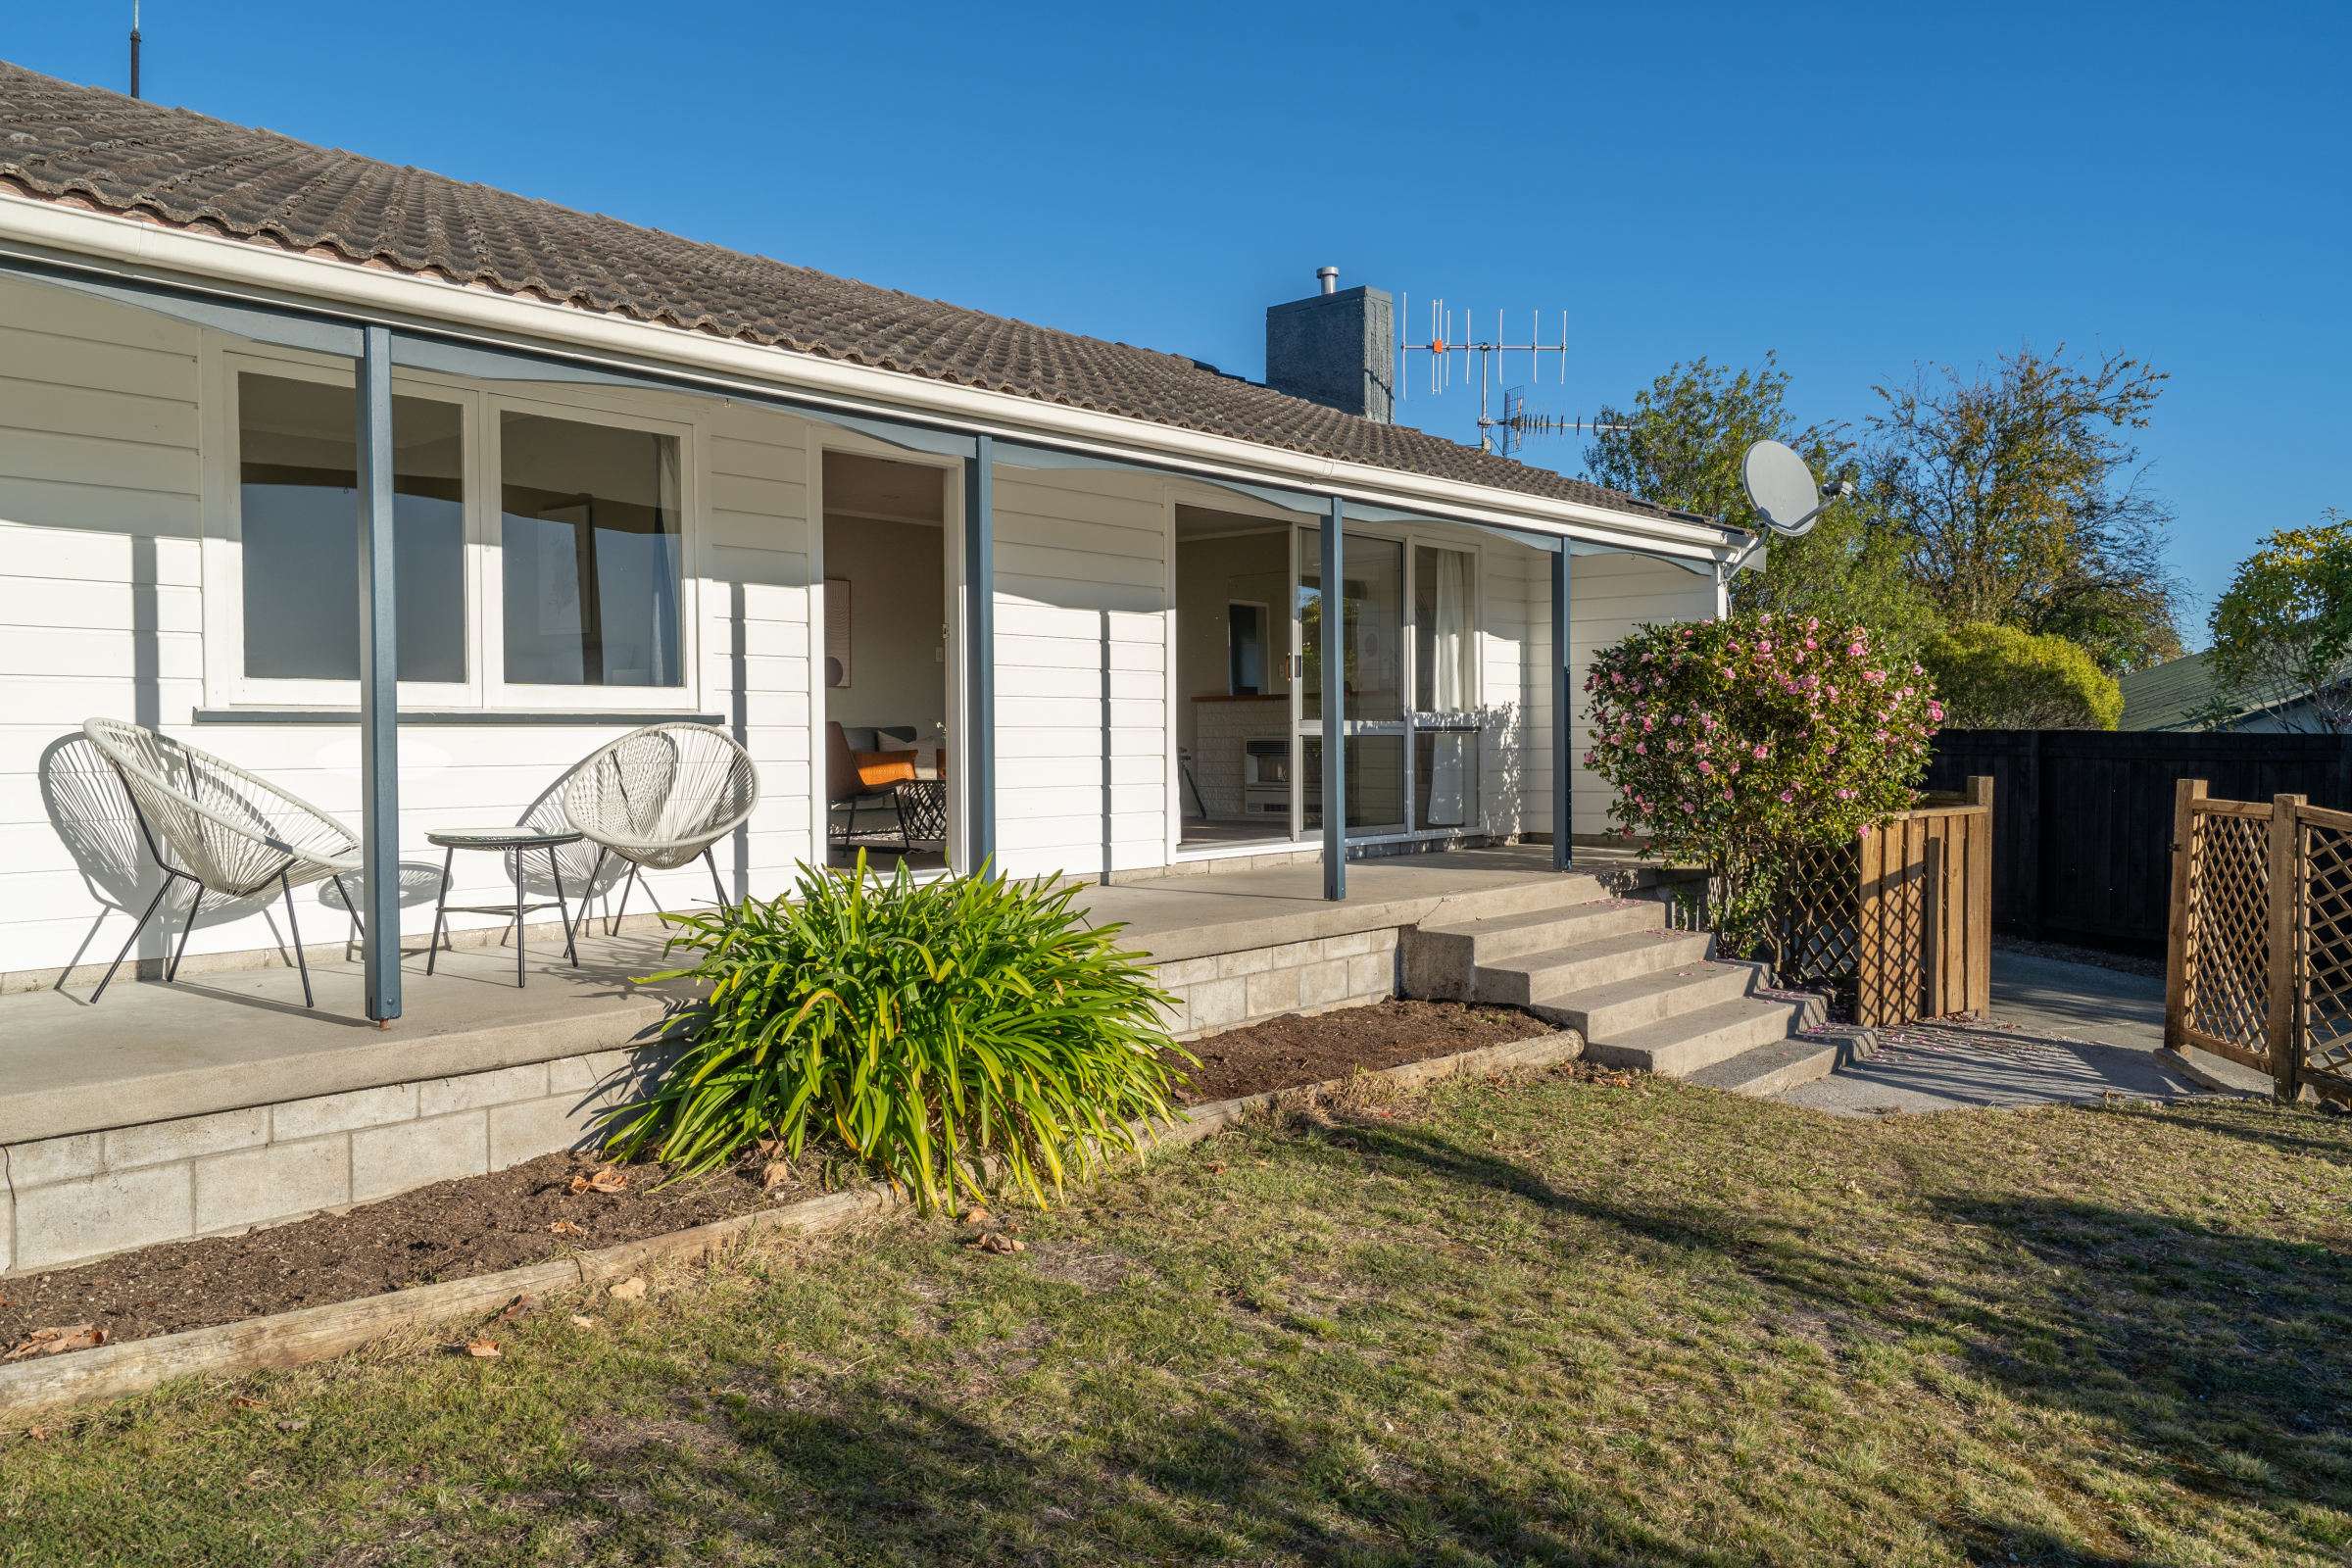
(898, 619)
(1210, 574)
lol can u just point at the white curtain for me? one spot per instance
(1449, 642)
(1449, 639)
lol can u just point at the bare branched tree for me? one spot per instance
(2020, 500)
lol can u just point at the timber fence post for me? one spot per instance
(2283, 1028)
(2186, 794)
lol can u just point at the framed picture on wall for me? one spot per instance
(837, 631)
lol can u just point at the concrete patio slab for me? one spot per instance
(2059, 1033)
(153, 1052)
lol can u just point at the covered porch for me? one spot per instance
(1058, 641)
(220, 1101)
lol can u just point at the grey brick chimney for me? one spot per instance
(1336, 347)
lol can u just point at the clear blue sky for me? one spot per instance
(1859, 186)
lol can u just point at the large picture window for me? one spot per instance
(540, 545)
(298, 505)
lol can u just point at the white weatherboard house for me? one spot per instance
(633, 479)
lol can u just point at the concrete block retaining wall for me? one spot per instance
(1227, 989)
(68, 1199)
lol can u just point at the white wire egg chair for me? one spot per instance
(659, 797)
(227, 832)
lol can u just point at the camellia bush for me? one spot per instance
(1733, 742)
(935, 1029)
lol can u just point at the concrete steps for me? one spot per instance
(1641, 996)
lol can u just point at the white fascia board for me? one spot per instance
(261, 273)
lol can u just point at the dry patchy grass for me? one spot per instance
(1542, 1320)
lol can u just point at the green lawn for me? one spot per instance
(1539, 1321)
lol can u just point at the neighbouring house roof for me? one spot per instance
(2175, 695)
(2183, 693)
(62, 141)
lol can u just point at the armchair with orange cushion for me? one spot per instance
(858, 780)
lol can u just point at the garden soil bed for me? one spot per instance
(531, 1213)
(450, 1230)
(1311, 1048)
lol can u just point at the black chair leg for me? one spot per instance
(518, 974)
(293, 934)
(353, 909)
(145, 915)
(717, 886)
(432, 945)
(557, 871)
(588, 893)
(172, 970)
(621, 914)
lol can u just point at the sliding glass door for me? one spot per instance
(1410, 687)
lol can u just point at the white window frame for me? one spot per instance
(485, 688)
(226, 684)
(531, 697)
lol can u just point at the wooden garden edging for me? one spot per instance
(2258, 940)
(36, 1387)
(1899, 920)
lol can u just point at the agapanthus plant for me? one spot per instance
(1732, 742)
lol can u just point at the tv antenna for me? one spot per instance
(1779, 486)
(1507, 431)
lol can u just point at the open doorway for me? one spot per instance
(1235, 755)
(885, 683)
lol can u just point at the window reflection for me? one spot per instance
(298, 524)
(589, 553)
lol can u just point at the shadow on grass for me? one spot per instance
(891, 1477)
(2217, 1359)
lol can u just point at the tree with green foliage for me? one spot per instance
(2282, 631)
(1681, 445)
(1992, 676)
(2019, 500)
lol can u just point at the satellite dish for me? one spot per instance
(1781, 488)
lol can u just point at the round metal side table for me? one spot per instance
(517, 840)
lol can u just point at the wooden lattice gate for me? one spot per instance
(1899, 922)
(2258, 961)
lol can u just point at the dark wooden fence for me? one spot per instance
(2083, 843)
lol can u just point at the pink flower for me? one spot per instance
(1706, 767)
(1642, 748)
(1758, 752)
(1855, 648)
(1786, 796)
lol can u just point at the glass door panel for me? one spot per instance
(1371, 684)
(1375, 783)
(1374, 611)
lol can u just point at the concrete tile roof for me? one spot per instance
(63, 141)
